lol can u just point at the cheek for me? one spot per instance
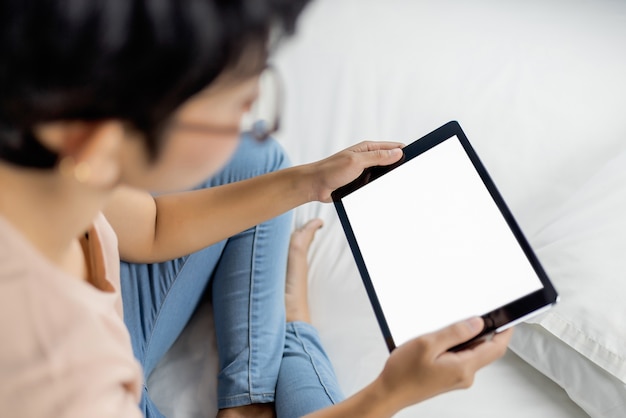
(202, 157)
(187, 162)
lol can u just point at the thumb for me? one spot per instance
(382, 156)
(458, 333)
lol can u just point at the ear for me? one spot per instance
(89, 152)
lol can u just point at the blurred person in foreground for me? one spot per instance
(120, 137)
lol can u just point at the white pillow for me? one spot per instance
(581, 343)
(596, 391)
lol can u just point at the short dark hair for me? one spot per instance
(133, 60)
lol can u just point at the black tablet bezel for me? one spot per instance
(495, 319)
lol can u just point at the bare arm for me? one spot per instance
(370, 402)
(169, 226)
(156, 229)
(420, 369)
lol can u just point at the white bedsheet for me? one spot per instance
(540, 89)
(184, 384)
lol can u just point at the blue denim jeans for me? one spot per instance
(261, 358)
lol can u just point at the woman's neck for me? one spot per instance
(51, 211)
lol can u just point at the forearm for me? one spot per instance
(169, 226)
(371, 402)
(187, 222)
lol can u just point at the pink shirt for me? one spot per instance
(64, 349)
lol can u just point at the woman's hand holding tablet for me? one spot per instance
(435, 242)
(423, 367)
(420, 369)
(344, 166)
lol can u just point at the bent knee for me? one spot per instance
(261, 157)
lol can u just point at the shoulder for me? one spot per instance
(64, 346)
(63, 353)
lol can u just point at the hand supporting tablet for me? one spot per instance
(435, 242)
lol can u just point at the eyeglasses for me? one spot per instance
(261, 121)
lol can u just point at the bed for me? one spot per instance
(540, 89)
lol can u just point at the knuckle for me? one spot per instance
(422, 344)
(353, 158)
(362, 146)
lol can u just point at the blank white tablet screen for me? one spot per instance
(436, 247)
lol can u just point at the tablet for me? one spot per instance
(435, 243)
